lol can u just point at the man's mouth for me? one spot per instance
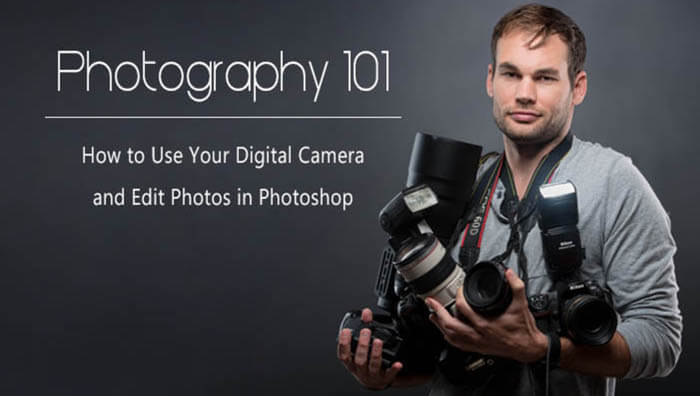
(524, 116)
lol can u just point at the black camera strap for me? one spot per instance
(471, 242)
(519, 213)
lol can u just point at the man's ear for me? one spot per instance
(580, 87)
(489, 81)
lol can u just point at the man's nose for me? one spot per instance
(526, 92)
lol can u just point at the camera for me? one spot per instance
(580, 310)
(420, 258)
(486, 289)
(421, 221)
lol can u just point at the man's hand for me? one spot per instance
(367, 371)
(513, 334)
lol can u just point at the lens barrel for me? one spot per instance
(424, 263)
(486, 288)
(589, 319)
(449, 167)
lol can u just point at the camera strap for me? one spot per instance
(519, 213)
(471, 242)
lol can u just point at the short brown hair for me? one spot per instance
(544, 21)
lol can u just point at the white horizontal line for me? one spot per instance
(223, 117)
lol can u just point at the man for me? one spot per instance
(536, 80)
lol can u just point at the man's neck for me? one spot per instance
(523, 160)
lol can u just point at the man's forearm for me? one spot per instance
(609, 360)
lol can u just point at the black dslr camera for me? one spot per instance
(579, 309)
(421, 221)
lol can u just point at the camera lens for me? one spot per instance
(589, 320)
(487, 285)
(424, 263)
(449, 167)
(486, 288)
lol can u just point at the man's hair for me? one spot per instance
(543, 21)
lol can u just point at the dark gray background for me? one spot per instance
(246, 301)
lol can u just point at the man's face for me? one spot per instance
(533, 101)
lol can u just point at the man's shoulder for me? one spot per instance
(594, 157)
(583, 154)
(592, 162)
(602, 174)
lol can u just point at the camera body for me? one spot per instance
(486, 289)
(399, 341)
(580, 310)
(421, 221)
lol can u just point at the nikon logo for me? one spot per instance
(566, 245)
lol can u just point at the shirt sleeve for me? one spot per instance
(638, 251)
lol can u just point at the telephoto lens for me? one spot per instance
(449, 167)
(486, 288)
(430, 271)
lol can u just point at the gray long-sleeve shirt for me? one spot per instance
(629, 248)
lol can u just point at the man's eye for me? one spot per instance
(546, 78)
(509, 74)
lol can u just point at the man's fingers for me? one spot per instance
(392, 371)
(375, 359)
(441, 317)
(456, 332)
(366, 315)
(516, 284)
(466, 311)
(362, 347)
(344, 340)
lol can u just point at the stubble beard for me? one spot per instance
(544, 130)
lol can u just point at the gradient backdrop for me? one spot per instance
(246, 301)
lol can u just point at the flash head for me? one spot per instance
(558, 219)
(406, 209)
(557, 204)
